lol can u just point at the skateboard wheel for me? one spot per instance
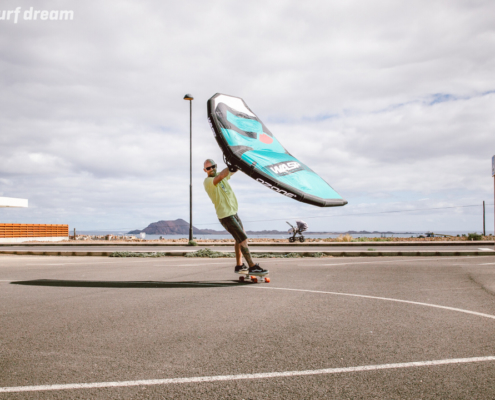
(254, 279)
(267, 280)
(241, 279)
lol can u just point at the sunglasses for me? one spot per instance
(212, 167)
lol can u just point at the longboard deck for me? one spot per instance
(254, 277)
(252, 273)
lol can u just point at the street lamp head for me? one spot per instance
(188, 97)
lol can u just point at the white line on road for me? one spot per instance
(193, 265)
(380, 298)
(265, 260)
(448, 289)
(388, 261)
(458, 265)
(218, 378)
(488, 264)
(93, 262)
(226, 262)
(76, 263)
(485, 249)
(401, 260)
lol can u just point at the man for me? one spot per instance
(223, 197)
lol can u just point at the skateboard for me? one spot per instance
(254, 277)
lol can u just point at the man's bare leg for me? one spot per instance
(246, 253)
(238, 253)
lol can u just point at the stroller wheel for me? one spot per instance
(292, 239)
(302, 239)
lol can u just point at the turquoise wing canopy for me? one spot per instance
(248, 144)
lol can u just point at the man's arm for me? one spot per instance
(223, 174)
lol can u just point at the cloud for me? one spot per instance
(390, 102)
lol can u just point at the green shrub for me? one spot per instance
(132, 254)
(474, 236)
(317, 255)
(210, 254)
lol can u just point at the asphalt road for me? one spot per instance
(323, 328)
(230, 248)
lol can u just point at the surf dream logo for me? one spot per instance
(285, 168)
(31, 14)
(276, 189)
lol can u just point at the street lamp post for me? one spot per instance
(493, 175)
(190, 98)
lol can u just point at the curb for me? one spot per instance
(302, 253)
(79, 253)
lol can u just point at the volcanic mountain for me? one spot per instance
(177, 227)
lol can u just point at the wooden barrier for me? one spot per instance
(33, 230)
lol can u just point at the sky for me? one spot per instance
(390, 102)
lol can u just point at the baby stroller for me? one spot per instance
(301, 227)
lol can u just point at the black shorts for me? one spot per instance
(233, 225)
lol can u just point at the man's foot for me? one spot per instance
(256, 268)
(241, 268)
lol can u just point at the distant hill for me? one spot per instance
(177, 227)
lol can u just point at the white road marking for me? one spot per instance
(83, 263)
(380, 298)
(91, 261)
(401, 260)
(471, 265)
(226, 263)
(219, 378)
(265, 260)
(76, 263)
(193, 265)
(448, 289)
(21, 259)
(485, 249)
(381, 261)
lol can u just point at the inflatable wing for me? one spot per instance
(248, 145)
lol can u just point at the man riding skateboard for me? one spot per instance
(223, 197)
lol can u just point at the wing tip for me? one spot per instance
(335, 203)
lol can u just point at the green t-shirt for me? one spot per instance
(222, 196)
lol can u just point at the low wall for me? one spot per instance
(33, 239)
(33, 231)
